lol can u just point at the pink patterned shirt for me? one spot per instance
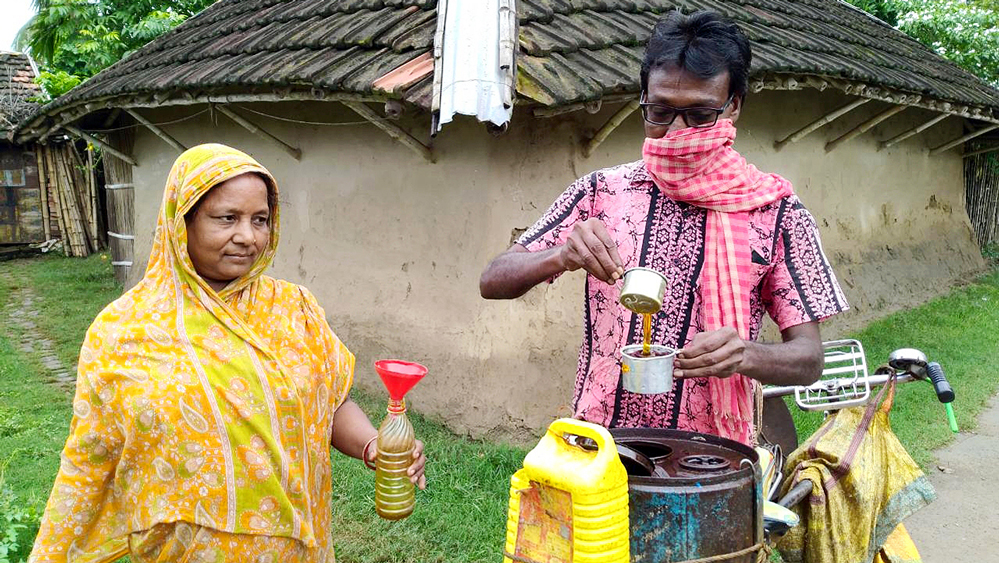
(794, 284)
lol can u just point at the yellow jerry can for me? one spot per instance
(569, 503)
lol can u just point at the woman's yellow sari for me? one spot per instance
(200, 412)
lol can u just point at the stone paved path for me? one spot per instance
(20, 311)
(962, 525)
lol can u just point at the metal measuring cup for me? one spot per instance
(642, 291)
(647, 374)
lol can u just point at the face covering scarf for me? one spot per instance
(699, 166)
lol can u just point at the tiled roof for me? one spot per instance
(245, 46)
(571, 51)
(17, 88)
(579, 50)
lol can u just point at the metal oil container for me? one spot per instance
(690, 495)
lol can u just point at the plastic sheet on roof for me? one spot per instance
(473, 55)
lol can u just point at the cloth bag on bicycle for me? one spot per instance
(864, 483)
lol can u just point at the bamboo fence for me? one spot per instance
(981, 179)
(120, 203)
(68, 204)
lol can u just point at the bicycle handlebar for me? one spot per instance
(874, 380)
(796, 494)
(943, 389)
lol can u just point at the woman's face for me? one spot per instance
(229, 228)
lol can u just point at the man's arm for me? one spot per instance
(517, 270)
(720, 353)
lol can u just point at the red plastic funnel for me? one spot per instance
(399, 376)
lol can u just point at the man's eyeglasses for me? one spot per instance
(662, 114)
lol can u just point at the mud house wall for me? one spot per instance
(393, 246)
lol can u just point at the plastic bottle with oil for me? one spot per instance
(394, 492)
(569, 503)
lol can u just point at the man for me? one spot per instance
(731, 241)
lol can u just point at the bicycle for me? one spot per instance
(844, 383)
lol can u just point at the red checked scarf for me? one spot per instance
(700, 167)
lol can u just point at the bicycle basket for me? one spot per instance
(844, 381)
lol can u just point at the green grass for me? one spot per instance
(34, 416)
(958, 330)
(69, 293)
(34, 421)
(461, 516)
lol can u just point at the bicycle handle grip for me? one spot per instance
(944, 391)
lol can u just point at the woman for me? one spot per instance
(208, 395)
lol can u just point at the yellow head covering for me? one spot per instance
(194, 173)
(196, 406)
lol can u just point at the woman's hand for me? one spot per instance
(416, 469)
(415, 472)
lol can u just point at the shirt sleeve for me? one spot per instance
(553, 228)
(801, 287)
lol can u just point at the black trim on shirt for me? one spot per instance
(795, 277)
(678, 388)
(587, 341)
(556, 221)
(777, 227)
(633, 324)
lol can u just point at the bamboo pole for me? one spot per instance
(57, 196)
(824, 120)
(71, 199)
(392, 129)
(112, 116)
(81, 198)
(863, 127)
(157, 130)
(78, 245)
(294, 152)
(609, 127)
(69, 235)
(72, 202)
(100, 143)
(43, 185)
(980, 151)
(92, 188)
(915, 130)
(949, 145)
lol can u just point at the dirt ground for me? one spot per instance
(962, 526)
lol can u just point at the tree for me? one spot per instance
(963, 31)
(73, 40)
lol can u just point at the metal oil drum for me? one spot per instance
(690, 495)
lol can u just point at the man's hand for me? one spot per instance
(591, 247)
(720, 353)
(717, 353)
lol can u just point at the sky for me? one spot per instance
(13, 15)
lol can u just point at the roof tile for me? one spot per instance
(570, 50)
